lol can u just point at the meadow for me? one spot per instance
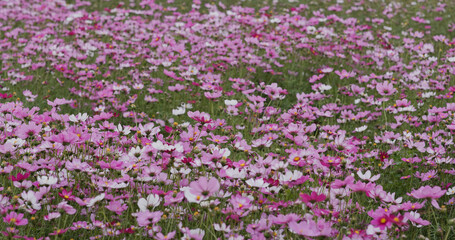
(179, 119)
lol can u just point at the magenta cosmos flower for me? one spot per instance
(14, 218)
(427, 192)
(313, 198)
(385, 88)
(381, 218)
(202, 189)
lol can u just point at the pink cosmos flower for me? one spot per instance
(415, 219)
(199, 116)
(66, 207)
(64, 138)
(14, 218)
(168, 236)
(385, 88)
(426, 176)
(330, 161)
(284, 219)
(59, 101)
(240, 202)
(116, 165)
(59, 231)
(117, 207)
(171, 198)
(202, 189)
(145, 218)
(196, 234)
(342, 183)
(345, 74)
(311, 228)
(361, 186)
(28, 130)
(52, 215)
(427, 192)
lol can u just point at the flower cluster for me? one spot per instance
(226, 122)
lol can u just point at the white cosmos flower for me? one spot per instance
(236, 173)
(96, 199)
(30, 196)
(390, 197)
(223, 227)
(118, 185)
(361, 129)
(187, 105)
(324, 87)
(367, 176)
(17, 142)
(47, 180)
(192, 70)
(257, 183)
(162, 147)
(230, 102)
(290, 176)
(4, 201)
(152, 200)
(123, 129)
(450, 191)
(78, 118)
(178, 111)
(182, 109)
(371, 230)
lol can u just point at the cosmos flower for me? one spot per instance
(15, 218)
(311, 228)
(428, 192)
(202, 189)
(367, 176)
(152, 200)
(313, 197)
(385, 88)
(117, 206)
(199, 116)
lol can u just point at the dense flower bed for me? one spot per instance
(148, 120)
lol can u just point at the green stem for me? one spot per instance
(448, 232)
(434, 215)
(384, 112)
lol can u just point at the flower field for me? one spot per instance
(179, 119)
